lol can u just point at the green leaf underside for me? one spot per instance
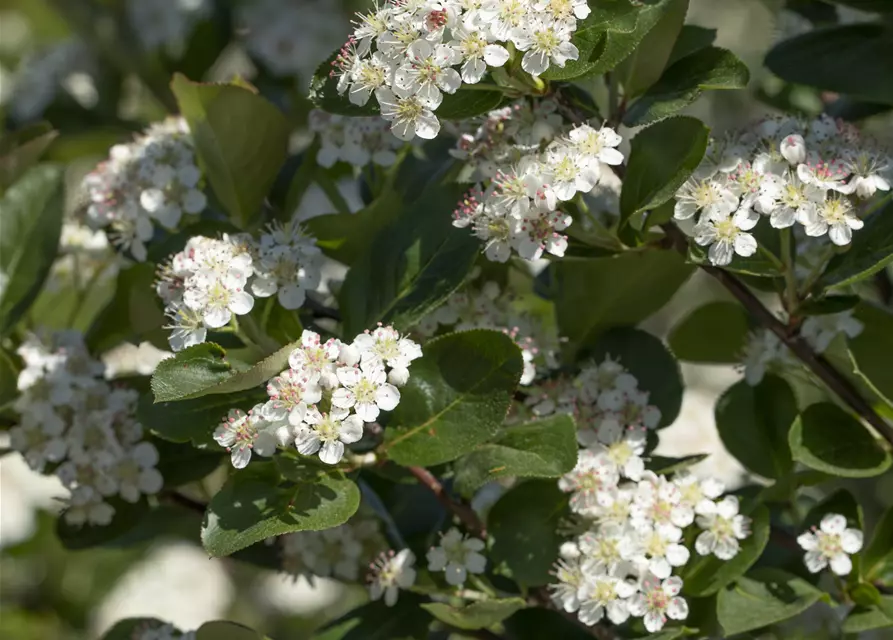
(456, 398)
(542, 449)
(753, 423)
(763, 597)
(827, 438)
(714, 333)
(872, 350)
(477, 615)
(255, 504)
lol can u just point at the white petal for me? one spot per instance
(331, 452)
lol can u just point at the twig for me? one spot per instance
(816, 363)
(184, 501)
(464, 512)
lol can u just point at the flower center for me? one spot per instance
(409, 109)
(726, 229)
(545, 41)
(327, 430)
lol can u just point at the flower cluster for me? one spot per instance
(813, 174)
(831, 543)
(211, 280)
(518, 207)
(486, 307)
(166, 25)
(410, 53)
(622, 564)
(76, 424)
(356, 141)
(325, 397)
(341, 552)
(154, 179)
(389, 573)
(765, 351)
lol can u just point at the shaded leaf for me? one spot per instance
(376, 621)
(646, 63)
(476, 615)
(763, 597)
(20, 150)
(870, 251)
(714, 333)
(127, 516)
(872, 350)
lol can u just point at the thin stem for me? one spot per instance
(778, 264)
(268, 309)
(787, 258)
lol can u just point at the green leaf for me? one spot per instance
(692, 38)
(714, 333)
(642, 69)
(9, 373)
(180, 463)
(457, 397)
(879, 6)
(132, 315)
(661, 159)
(825, 59)
(324, 93)
(827, 438)
(870, 251)
(376, 621)
(682, 83)
(593, 295)
(541, 449)
(863, 618)
(127, 516)
(203, 370)
(753, 423)
(523, 527)
(664, 466)
(477, 615)
(131, 628)
(31, 218)
(877, 557)
(255, 504)
(645, 357)
(224, 630)
(828, 305)
(241, 141)
(539, 623)
(411, 267)
(763, 597)
(872, 350)
(20, 150)
(706, 575)
(468, 103)
(841, 502)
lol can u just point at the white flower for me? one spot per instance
(696, 493)
(545, 41)
(723, 527)
(473, 46)
(242, 433)
(570, 172)
(365, 390)
(832, 543)
(290, 393)
(659, 502)
(187, 327)
(763, 349)
(601, 595)
(315, 361)
(793, 148)
(86, 507)
(384, 345)
(657, 601)
(457, 556)
(835, 217)
(597, 144)
(788, 199)
(569, 574)
(390, 573)
(327, 433)
(408, 115)
(588, 480)
(657, 549)
(707, 196)
(39, 441)
(820, 331)
(136, 474)
(427, 72)
(368, 76)
(726, 236)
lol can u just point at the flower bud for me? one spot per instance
(398, 376)
(793, 148)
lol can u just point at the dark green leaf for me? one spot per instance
(477, 615)
(753, 423)
(376, 621)
(127, 516)
(346, 237)
(826, 59)
(870, 251)
(714, 333)
(596, 294)
(20, 150)
(411, 267)
(681, 84)
(131, 628)
(872, 350)
(468, 103)
(542, 449)
(878, 555)
(763, 597)
(223, 630)
(880, 6)
(663, 465)
(181, 463)
(646, 357)
(132, 315)
(706, 575)
(256, 504)
(841, 502)
(457, 397)
(827, 438)
(692, 38)
(661, 159)
(9, 373)
(31, 218)
(300, 181)
(642, 69)
(868, 618)
(828, 305)
(241, 141)
(523, 526)
(538, 624)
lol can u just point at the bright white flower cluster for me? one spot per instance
(67, 65)
(790, 171)
(269, 28)
(154, 179)
(830, 544)
(411, 53)
(356, 141)
(166, 25)
(765, 351)
(76, 424)
(486, 307)
(622, 565)
(391, 572)
(341, 552)
(212, 280)
(518, 208)
(457, 555)
(322, 401)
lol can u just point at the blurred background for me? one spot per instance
(97, 71)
